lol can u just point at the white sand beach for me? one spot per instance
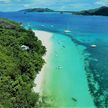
(45, 37)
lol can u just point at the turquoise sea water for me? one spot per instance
(67, 86)
(85, 31)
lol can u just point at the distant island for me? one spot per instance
(102, 11)
(37, 10)
(43, 10)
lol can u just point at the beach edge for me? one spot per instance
(45, 37)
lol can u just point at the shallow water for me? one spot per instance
(66, 82)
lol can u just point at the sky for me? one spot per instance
(70, 5)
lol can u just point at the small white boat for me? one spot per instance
(67, 31)
(52, 25)
(42, 25)
(59, 67)
(28, 25)
(93, 46)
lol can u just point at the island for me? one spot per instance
(101, 11)
(21, 60)
(37, 10)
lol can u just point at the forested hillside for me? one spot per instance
(20, 60)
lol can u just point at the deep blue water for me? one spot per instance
(85, 30)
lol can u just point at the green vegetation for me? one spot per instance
(18, 65)
(102, 11)
(37, 10)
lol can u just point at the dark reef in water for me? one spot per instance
(96, 68)
(96, 71)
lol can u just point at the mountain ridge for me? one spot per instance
(37, 10)
(101, 11)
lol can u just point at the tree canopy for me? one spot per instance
(18, 66)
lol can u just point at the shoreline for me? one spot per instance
(66, 71)
(45, 81)
(45, 37)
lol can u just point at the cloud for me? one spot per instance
(102, 2)
(26, 5)
(53, 4)
(46, 3)
(5, 1)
